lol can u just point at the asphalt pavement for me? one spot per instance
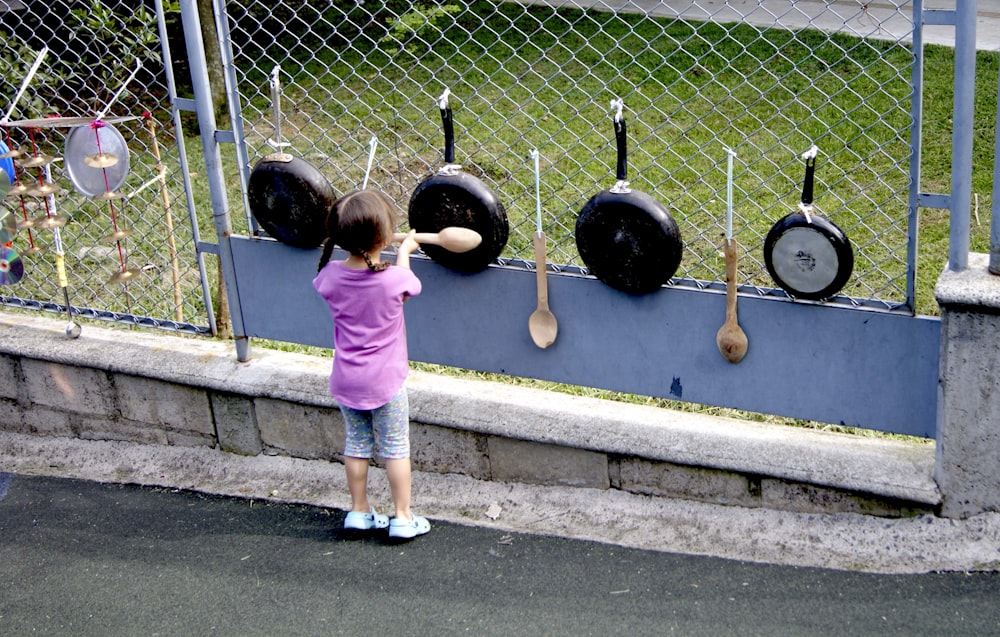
(82, 558)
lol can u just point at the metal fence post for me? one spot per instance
(963, 114)
(994, 264)
(213, 167)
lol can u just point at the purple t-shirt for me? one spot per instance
(369, 332)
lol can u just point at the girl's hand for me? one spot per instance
(408, 246)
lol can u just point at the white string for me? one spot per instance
(372, 145)
(617, 105)
(730, 154)
(107, 107)
(538, 195)
(442, 101)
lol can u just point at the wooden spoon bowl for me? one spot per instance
(730, 339)
(542, 324)
(453, 239)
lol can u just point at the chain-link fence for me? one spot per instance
(764, 79)
(126, 232)
(696, 78)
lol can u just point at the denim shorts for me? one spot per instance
(384, 431)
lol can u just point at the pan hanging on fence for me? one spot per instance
(452, 197)
(289, 197)
(626, 238)
(97, 158)
(807, 255)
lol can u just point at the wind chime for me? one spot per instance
(97, 164)
(11, 265)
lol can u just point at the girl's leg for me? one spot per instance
(357, 483)
(397, 470)
(391, 423)
(358, 451)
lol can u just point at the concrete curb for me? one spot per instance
(844, 541)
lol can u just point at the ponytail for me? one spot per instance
(328, 246)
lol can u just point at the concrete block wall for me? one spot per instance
(159, 389)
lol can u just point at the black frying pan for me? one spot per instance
(626, 238)
(452, 197)
(807, 255)
(289, 197)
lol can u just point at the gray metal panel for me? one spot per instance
(861, 368)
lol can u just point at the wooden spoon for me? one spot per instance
(542, 323)
(452, 239)
(731, 339)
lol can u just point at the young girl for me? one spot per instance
(370, 363)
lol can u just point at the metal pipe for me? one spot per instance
(916, 152)
(213, 167)
(962, 134)
(185, 172)
(994, 265)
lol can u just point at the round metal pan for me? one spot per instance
(290, 198)
(627, 238)
(452, 197)
(807, 255)
(96, 139)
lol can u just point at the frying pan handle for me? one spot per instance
(807, 183)
(448, 123)
(275, 140)
(621, 140)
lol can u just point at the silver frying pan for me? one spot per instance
(97, 158)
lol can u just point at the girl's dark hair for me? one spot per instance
(359, 222)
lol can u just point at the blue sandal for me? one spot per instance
(403, 529)
(365, 521)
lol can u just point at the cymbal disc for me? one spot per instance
(109, 196)
(124, 276)
(34, 161)
(25, 223)
(16, 153)
(100, 160)
(49, 222)
(115, 237)
(18, 190)
(67, 122)
(32, 250)
(44, 190)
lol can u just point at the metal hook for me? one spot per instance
(275, 81)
